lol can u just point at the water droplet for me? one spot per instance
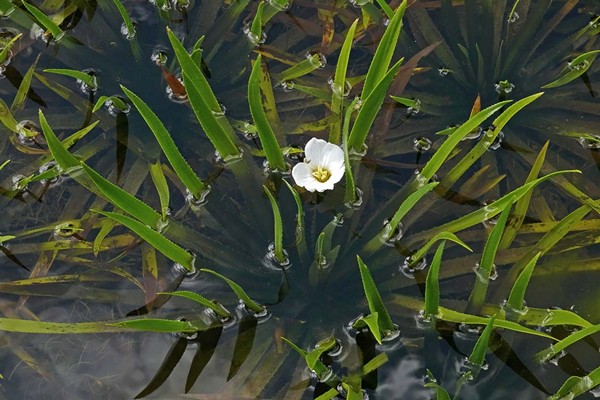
(159, 57)
(180, 5)
(504, 87)
(391, 238)
(179, 269)
(513, 18)
(280, 5)
(129, 35)
(65, 230)
(474, 134)
(495, 145)
(358, 3)
(421, 144)
(117, 104)
(187, 335)
(409, 269)
(316, 59)
(92, 87)
(337, 90)
(444, 71)
(490, 217)
(358, 201)
(256, 40)
(28, 132)
(579, 66)
(270, 261)
(287, 86)
(194, 202)
(590, 141)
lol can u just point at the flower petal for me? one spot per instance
(302, 174)
(315, 151)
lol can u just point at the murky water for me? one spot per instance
(315, 296)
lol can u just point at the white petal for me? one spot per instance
(315, 151)
(302, 174)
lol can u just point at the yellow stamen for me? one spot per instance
(321, 174)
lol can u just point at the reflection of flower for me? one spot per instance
(322, 168)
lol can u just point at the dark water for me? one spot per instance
(301, 307)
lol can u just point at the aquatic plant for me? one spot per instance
(259, 267)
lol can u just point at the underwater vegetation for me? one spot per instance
(326, 199)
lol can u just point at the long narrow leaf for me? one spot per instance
(240, 293)
(374, 298)
(432, 284)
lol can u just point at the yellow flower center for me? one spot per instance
(321, 174)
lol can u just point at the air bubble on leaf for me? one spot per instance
(65, 230)
(443, 72)
(84, 87)
(495, 145)
(179, 269)
(504, 87)
(55, 180)
(267, 170)
(421, 179)
(483, 276)
(287, 86)
(159, 57)
(513, 17)
(358, 200)
(590, 141)
(337, 90)
(415, 108)
(27, 132)
(270, 260)
(389, 337)
(358, 3)
(194, 202)
(18, 182)
(280, 5)
(185, 335)
(579, 66)
(409, 268)
(316, 59)
(474, 134)
(555, 358)
(514, 313)
(355, 154)
(424, 322)
(115, 107)
(262, 316)
(421, 144)
(253, 38)
(391, 238)
(470, 329)
(129, 35)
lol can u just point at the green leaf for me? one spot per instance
(126, 19)
(388, 231)
(213, 305)
(179, 164)
(350, 193)
(125, 201)
(383, 54)
(432, 284)
(160, 183)
(24, 87)
(370, 108)
(574, 69)
(328, 395)
(8, 46)
(372, 322)
(486, 265)
(313, 357)
(517, 294)
(256, 27)
(304, 67)
(440, 392)
(239, 292)
(374, 300)
(562, 344)
(162, 325)
(440, 156)
(419, 254)
(278, 227)
(57, 328)
(339, 84)
(265, 132)
(477, 356)
(46, 22)
(573, 387)
(89, 80)
(155, 239)
(204, 103)
(319, 367)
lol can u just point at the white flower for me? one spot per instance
(322, 168)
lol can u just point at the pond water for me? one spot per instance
(64, 262)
